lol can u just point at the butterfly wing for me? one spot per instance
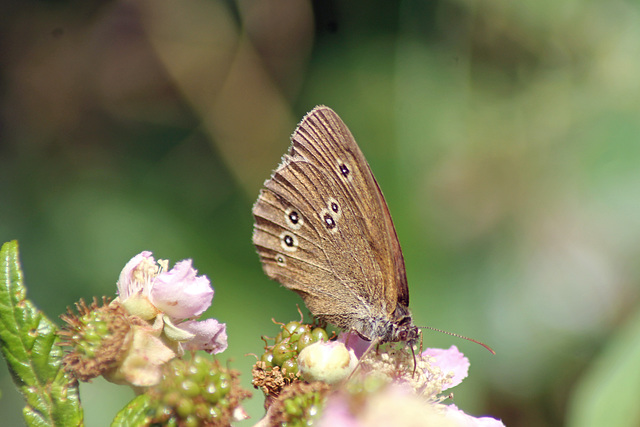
(324, 230)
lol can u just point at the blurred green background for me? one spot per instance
(505, 136)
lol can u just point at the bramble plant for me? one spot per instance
(150, 338)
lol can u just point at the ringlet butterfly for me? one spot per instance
(322, 228)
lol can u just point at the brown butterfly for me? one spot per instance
(322, 228)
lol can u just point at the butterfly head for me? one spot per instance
(403, 331)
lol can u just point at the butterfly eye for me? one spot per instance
(293, 219)
(333, 207)
(345, 171)
(329, 221)
(288, 242)
(330, 216)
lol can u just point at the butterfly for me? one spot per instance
(323, 229)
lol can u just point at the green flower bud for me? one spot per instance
(304, 340)
(290, 328)
(290, 365)
(319, 334)
(282, 352)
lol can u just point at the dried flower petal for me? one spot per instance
(142, 366)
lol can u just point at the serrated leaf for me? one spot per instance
(134, 414)
(28, 342)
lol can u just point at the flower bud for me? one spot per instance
(329, 362)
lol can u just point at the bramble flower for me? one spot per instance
(405, 397)
(147, 289)
(152, 321)
(461, 419)
(386, 406)
(391, 386)
(450, 361)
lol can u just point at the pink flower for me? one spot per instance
(136, 273)
(450, 361)
(464, 420)
(337, 413)
(210, 335)
(179, 293)
(414, 401)
(394, 405)
(177, 296)
(354, 342)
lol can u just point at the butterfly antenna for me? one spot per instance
(459, 336)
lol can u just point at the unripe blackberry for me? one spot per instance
(98, 338)
(319, 334)
(292, 338)
(278, 365)
(305, 340)
(196, 392)
(299, 405)
(290, 365)
(290, 328)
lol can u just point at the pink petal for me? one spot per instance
(464, 420)
(211, 335)
(353, 341)
(127, 286)
(180, 294)
(450, 360)
(337, 413)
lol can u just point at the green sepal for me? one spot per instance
(28, 342)
(136, 413)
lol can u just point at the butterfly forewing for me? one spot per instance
(323, 228)
(323, 131)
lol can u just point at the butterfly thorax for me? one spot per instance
(400, 329)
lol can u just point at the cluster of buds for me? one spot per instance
(196, 392)
(278, 366)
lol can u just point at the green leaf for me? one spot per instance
(609, 391)
(28, 342)
(134, 414)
